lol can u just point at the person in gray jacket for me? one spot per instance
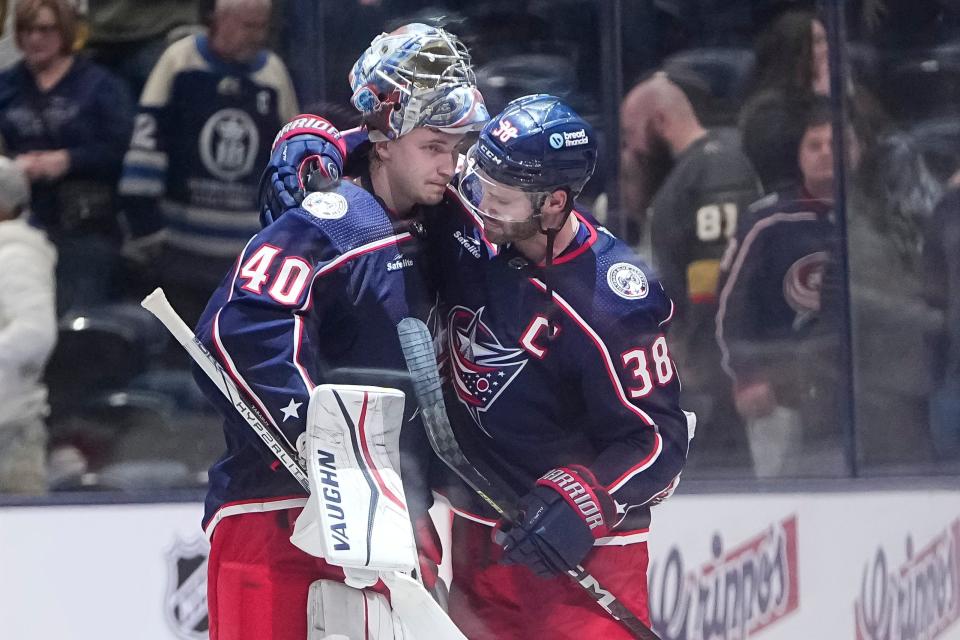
(28, 332)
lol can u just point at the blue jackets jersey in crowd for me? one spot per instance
(88, 113)
(314, 298)
(583, 378)
(200, 140)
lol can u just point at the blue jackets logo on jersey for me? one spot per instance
(628, 281)
(326, 205)
(481, 367)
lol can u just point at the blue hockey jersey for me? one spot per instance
(314, 298)
(771, 281)
(200, 139)
(583, 378)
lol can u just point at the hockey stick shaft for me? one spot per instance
(157, 304)
(417, 345)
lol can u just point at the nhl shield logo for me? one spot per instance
(185, 607)
(480, 366)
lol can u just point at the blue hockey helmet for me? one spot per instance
(416, 76)
(537, 144)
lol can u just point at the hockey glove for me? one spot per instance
(307, 156)
(558, 522)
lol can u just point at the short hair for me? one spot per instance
(64, 13)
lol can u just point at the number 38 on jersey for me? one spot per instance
(648, 367)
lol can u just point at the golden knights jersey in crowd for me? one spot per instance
(693, 216)
(200, 140)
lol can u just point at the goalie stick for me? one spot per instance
(157, 304)
(416, 607)
(418, 351)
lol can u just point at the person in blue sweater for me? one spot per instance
(66, 122)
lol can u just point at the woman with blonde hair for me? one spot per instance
(66, 122)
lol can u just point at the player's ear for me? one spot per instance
(555, 208)
(381, 151)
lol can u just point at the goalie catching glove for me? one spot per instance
(307, 155)
(558, 522)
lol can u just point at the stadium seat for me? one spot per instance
(510, 77)
(724, 70)
(925, 84)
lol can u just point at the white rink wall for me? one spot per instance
(883, 565)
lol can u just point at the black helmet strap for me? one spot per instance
(551, 234)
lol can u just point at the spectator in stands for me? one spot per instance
(792, 55)
(771, 127)
(28, 331)
(693, 215)
(66, 121)
(942, 277)
(778, 344)
(891, 198)
(208, 115)
(792, 69)
(128, 37)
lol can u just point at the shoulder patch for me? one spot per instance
(628, 281)
(325, 205)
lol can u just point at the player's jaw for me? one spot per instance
(432, 192)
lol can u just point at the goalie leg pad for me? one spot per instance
(357, 512)
(338, 612)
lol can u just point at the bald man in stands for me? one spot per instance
(697, 181)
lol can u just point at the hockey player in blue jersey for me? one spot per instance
(561, 381)
(315, 297)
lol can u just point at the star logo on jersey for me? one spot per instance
(292, 410)
(481, 368)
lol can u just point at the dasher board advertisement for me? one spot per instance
(881, 565)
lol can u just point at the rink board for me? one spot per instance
(882, 565)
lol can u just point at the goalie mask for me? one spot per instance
(538, 144)
(416, 76)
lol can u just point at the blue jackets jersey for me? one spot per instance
(583, 378)
(314, 298)
(201, 137)
(88, 113)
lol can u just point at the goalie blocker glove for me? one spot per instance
(307, 155)
(558, 522)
